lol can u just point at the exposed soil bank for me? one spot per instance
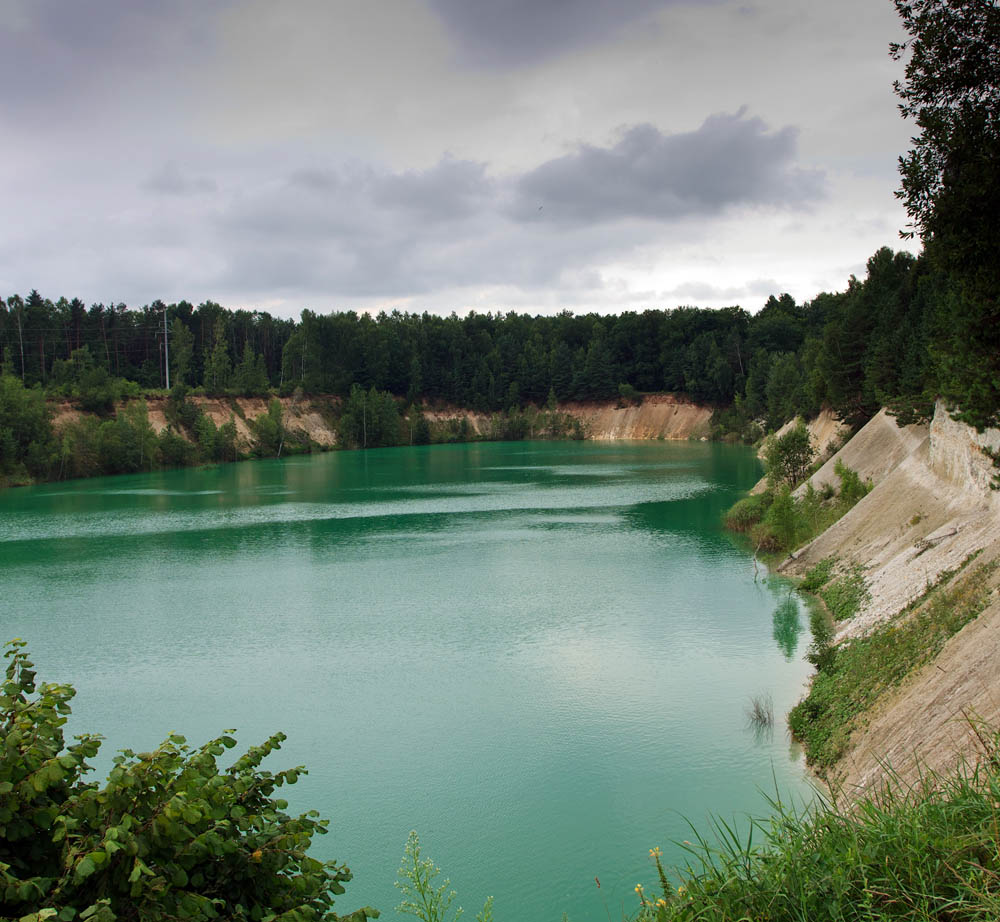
(654, 416)
(930, 509)
(311, 416)
(657, 416)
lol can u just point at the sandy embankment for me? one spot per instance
(309, 416)
(657, 416)
(930, 509)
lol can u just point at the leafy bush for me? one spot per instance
(175, 450)
(27, 445)
(852, 488)
(179, 411)
(788, 458)
(747, 512)
(168, 836)
(779, 522)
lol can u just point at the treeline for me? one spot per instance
(852, 350)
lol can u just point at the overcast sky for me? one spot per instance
(534, 155)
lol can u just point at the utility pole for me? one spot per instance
(20, 338)
(166, 346)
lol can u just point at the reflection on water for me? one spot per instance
(536, 654)
(787, 626)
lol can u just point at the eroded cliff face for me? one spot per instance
(311, 416)
(930, 509)
(658, 416)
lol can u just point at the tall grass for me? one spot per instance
(923, 854)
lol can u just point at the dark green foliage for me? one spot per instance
(918, 408)
(89, 384)
(629, 395)
(852, 679)
(225, 441)
(370, 419)
(249, 378)
(175, 450)
(852, 350)
(27, 446)
(181, 352)
(951, 185)
(168, 836)
(420, 429)
(218, 367)
(784, 389)
(180, 412)
(788, 458)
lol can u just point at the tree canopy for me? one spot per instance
(951, 185)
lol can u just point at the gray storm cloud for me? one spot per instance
(730, 160)
(368, 231)
(171, 180)
(82, 56)
(510, 33)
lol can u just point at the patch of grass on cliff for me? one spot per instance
(920, 854)
(854, 675)
(818, 576)
(846, 594)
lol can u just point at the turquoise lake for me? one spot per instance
(539, 655)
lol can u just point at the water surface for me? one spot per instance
(538, 655)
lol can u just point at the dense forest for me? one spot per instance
(854, 351)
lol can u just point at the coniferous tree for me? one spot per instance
(218, 368)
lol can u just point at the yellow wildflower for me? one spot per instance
(655, 852)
